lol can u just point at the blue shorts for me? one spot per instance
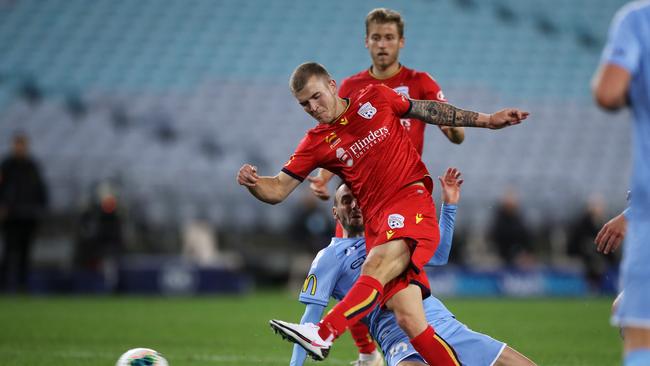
(472, 348)
(633, 309)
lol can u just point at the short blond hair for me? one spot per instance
(383, 16)
(303, 72)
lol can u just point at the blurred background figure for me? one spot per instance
(23, 200)
(510, 233)
(582, 233)
(312, 225)
(100, 238)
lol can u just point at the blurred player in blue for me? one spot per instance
(336, 268)
(623, 79)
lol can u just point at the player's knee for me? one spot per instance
(410, 324)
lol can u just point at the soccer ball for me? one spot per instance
(141, 357)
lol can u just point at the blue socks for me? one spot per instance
(638, 357)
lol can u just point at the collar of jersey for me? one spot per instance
(338, 118)
(386, 78)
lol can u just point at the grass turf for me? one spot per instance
(69, 331)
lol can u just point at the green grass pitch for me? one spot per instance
(67, 331)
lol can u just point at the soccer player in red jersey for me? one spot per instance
(384, 40)
(361, 140)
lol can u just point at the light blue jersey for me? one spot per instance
(334, 270)
(337, 267)
(628, 46)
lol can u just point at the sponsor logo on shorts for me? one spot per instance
(389, 234)
(418, 218)
(397, 349)
(367, 111)
(395, 221)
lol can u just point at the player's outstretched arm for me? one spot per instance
(450, 185)
(444, 114)
(318, 184)
(266, 189)
(455, 135)
(313, 313)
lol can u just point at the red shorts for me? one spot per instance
(412, 217)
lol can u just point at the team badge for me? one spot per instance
(367, 111)
(395, 221)
(418, 218)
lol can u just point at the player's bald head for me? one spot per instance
(341, 191)
(304, 72)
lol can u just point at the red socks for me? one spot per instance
(362, 298)
(434, 349)
(362, 338)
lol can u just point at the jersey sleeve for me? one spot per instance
(322, 278)
(446, 224)
(623, 44)
(431, 89)
(302, 161)
(400, 104)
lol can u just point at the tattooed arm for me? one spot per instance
(443, 114)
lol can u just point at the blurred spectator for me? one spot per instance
(582, 233)
(100, 238)
(312, 226)
(510, 233)
(23, 199)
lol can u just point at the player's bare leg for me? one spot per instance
(635, 338)
(408, 313)
(510, 357)
(387, 261)
(384, 263)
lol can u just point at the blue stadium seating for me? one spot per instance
(216, 71)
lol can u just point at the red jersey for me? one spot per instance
(366, 146)
(410, 83)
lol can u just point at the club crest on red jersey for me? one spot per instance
(367, 110)
(395, 221)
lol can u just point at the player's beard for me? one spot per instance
(385, 61)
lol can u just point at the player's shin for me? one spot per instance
(362, 298)
(434, 349)
(362, 338)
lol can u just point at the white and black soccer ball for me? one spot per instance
(141, 357)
